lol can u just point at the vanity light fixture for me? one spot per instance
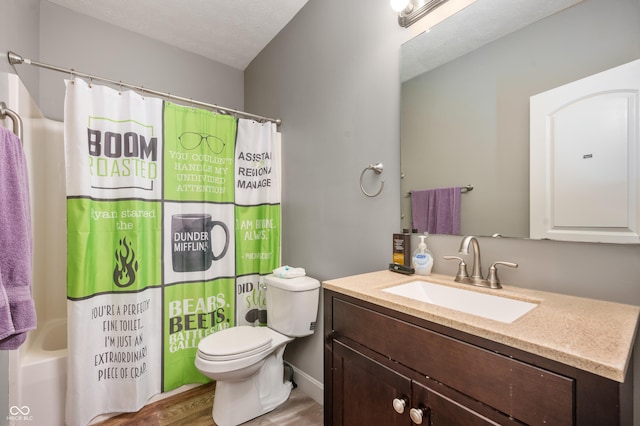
(400, 5)
(410, 11)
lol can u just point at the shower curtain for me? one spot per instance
(173, 215)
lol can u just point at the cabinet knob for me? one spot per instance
(399, 404)
(417, 414)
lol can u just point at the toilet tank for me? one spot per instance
(292, 304)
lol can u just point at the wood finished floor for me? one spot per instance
(193, 408)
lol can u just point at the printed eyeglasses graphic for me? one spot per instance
(192, 140)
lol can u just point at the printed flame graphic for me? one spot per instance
(124, 274)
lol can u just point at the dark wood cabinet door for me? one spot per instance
(364, 390)
(440, 410)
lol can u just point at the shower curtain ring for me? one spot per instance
(378, 168)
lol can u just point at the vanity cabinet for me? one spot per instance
(367, 392)
(378, 360)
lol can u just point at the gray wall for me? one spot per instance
(48, 33)
(468, 121)
(19, 33)
(332, 76)
(98, 48)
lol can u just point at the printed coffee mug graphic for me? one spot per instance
(192, 248)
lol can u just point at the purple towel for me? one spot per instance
(436, 211)
(17, 310)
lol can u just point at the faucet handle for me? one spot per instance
(492, 276)
(462, 274)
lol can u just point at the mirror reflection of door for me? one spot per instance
(585, 159)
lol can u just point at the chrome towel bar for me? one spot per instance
(17, 121)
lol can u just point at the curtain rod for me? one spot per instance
(15, 59)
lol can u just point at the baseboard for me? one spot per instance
(308, 385)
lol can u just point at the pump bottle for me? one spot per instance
(422, 260)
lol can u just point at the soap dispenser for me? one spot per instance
(422, 260)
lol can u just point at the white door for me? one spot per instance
(584, 159)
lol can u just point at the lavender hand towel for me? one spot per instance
(17, 310)
(436, 211)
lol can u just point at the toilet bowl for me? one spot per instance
(246, 362)
(249, 377)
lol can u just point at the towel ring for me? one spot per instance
(378, 168)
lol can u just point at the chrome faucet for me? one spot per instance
(476, 278)
(476, 272)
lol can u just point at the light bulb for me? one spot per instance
(399, 5)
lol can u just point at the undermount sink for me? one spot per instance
(488, 306)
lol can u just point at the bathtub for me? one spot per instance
(41, 375)
(38, 369)
(52, 337)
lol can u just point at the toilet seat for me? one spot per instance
(235, 343)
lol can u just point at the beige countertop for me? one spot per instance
(592, 335)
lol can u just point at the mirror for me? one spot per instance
(465, 114)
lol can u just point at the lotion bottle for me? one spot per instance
(422, 260)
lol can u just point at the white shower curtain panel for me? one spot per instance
(173, 217)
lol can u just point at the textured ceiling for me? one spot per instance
(478, 24)
(232, 32)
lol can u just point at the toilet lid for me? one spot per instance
(234, 343)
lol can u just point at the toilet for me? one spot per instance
(246, 362)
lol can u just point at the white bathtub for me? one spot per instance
(38, 369)
(41, 375)
(48, 340)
